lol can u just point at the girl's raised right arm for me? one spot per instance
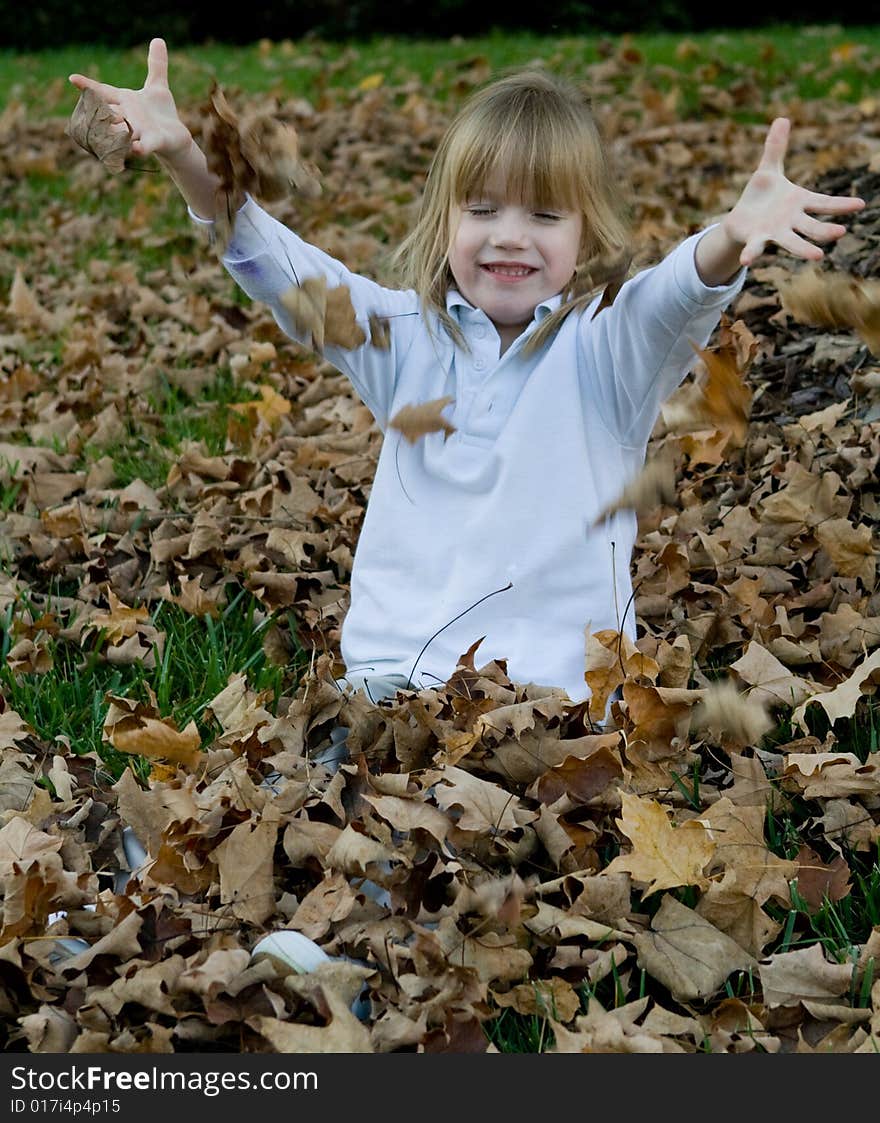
(156, 129)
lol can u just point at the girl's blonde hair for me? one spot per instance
(540, 132)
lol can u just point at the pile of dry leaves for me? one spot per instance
(489, 845)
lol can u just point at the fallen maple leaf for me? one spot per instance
(416, 421)
(686, 953)
(662, 856)
(92, 126)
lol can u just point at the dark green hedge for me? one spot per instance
(55, 23)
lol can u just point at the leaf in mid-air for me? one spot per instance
(416, 421)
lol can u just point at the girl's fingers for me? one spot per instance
(776, 144)
(105, 92)
(753, 248)
(157, 64)
(833, 204)
(819, 231)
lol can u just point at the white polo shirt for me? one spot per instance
(488, 534)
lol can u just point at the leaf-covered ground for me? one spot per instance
(491, 852)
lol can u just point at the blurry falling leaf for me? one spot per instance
(662, 856)
(726, 715)
(307, 304)
(91, 126)
(340, 325)
(380, 332)
(416, 421)
(726, 397)
(254, 154)
(271, 148)
(824, 299)
(323, 315)
(719, 399)
(653, 487)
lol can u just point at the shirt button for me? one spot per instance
(479, 364)
(480, 331)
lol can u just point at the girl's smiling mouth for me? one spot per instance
(508, 271)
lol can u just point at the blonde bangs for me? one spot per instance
(539, 159)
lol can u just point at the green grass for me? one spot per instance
(171, 419)
(796, 56)
(200, 653)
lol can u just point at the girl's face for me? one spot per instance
(507, 257)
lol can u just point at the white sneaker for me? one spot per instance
(303, 955)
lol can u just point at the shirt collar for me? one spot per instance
(455, 302)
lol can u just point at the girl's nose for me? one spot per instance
(510, 230)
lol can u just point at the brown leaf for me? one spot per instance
(134, 728)
(340, 326)
(91, 126)
(825, 299)
(380, 332)
(653, 487)
(818, 882)
(790, 977)
(662, 856)
(254, 154)
(307, 304)
(415, 421)
(730, 717)
(687, 954)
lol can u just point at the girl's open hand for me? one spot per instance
(773, 209)
(150, 113)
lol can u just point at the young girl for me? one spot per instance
(489, 532)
